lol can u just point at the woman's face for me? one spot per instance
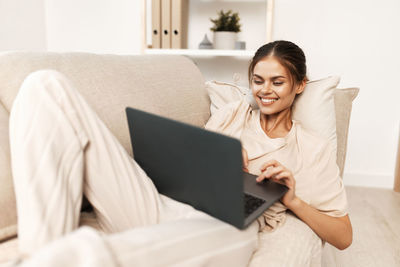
(272, 86)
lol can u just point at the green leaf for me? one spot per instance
(226, 21)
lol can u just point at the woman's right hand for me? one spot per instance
(245, 160)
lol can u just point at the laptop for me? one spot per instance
(199, 167)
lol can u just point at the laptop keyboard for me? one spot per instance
(251, 203)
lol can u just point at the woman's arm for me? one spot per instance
(335, 230)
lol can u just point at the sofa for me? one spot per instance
(171, 86)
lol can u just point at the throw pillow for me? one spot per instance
(315, 108)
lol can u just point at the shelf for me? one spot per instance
(201, 52)
(233, 1)
(255, 17)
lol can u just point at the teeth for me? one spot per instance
(268, 100)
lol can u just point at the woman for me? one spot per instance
(61, 149)
(276, 147)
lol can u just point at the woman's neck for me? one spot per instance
(277, 125)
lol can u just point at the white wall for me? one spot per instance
(358, 40)
(22, 25)
(97, 26)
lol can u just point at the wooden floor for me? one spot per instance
(375, 216)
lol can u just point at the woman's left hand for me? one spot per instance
(278, 173)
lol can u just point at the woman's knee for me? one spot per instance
(37, 87)
(42, 80)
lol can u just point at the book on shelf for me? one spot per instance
(166, 23)
(156, 23)
(179, 21)
(169, 19)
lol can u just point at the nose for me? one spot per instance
(266, 88)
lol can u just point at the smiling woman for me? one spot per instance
(278, 148)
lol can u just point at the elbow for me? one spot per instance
(345, 244)
(346, 236)
(347, 240)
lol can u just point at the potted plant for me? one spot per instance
(225, 29)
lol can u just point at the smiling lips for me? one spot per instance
(268, 101)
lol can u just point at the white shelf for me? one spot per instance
(201, 52)
(202, 19)
(233, 1)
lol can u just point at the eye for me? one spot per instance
(277, 83)
(258, 82)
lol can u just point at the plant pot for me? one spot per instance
(224, 40)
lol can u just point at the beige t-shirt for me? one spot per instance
(310, 158)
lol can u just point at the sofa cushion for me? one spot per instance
(8, 216)
(343, 104)
(170, 86)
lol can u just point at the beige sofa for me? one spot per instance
(171, 86)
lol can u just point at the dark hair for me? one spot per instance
(288, 54)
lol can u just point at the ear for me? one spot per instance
(300, 87)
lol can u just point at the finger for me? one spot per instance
(273, 171)
(245, 158)
(273, 163)
(284, 174)
(279, 181)
(285, 178)
(261, 177)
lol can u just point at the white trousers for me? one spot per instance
(294, 244)
(61, 150)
